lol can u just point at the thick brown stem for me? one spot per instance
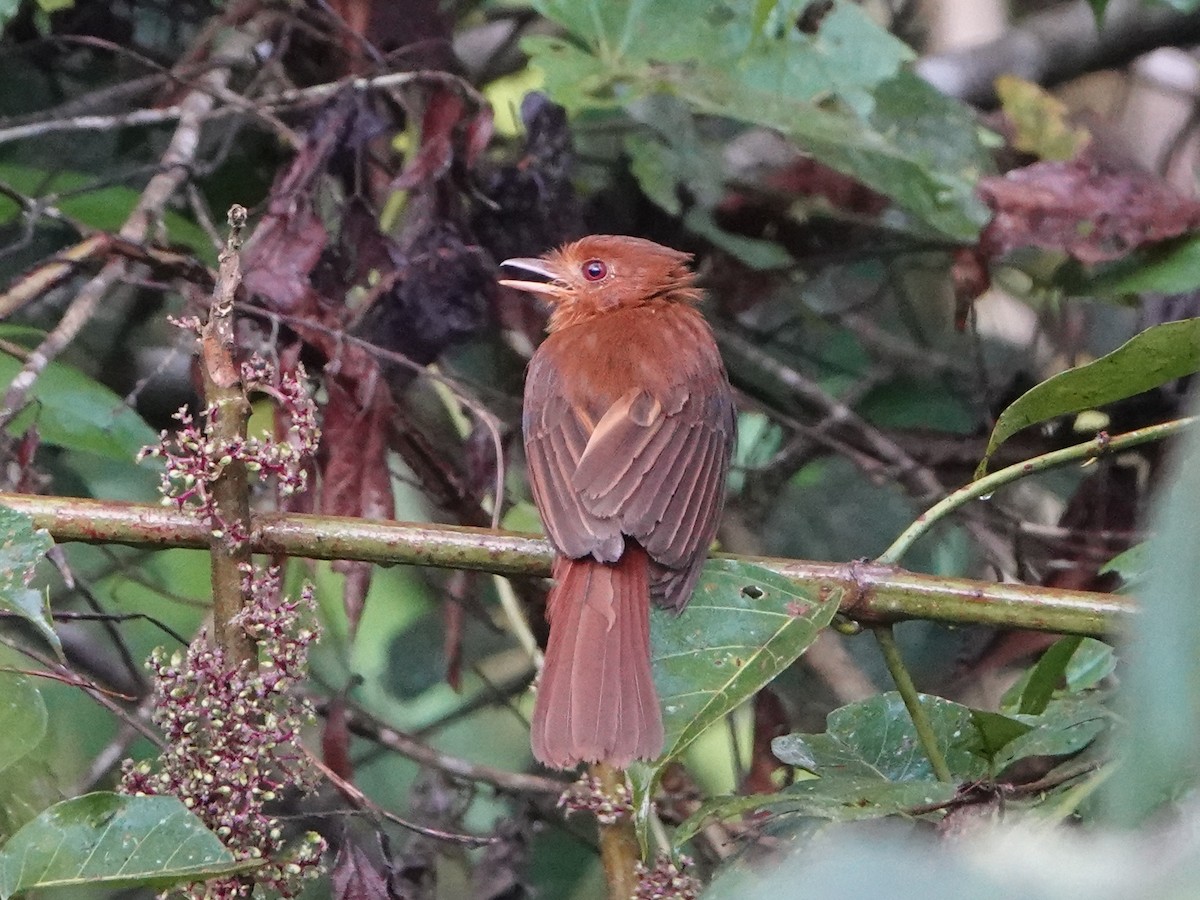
(619, 853)
(228, 413)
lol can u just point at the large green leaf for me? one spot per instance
(1152, 358)
(22, 718)
(104, 207)
(1170, 267)
(1160, 674)
(842, 92)
(115, 841)
(21, 548)
(876, 738)
(869, 764)
(71, 410)
(743, 627)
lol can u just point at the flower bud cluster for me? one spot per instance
(233, 740)
(587, 794)
(194, 457)
(666, 880)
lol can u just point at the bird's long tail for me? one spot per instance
(597, 702)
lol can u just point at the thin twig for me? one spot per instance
(173, 172)
(912, 701)
(363, 802)
(261, 106)
(420, 752)
(988, 484)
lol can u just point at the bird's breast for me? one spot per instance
(655, 348)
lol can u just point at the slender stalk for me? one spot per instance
(986, 485)
(912, 701)
(619, 850)
(983, 487)
(873, 594)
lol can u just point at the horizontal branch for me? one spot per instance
(233, 105)
(873, 593)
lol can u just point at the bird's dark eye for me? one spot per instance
(594, 269)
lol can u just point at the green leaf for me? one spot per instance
(115, 841)
(21, 549)
(71, 410)
(1160, 672)
(22, 718)
(1169, 267)
(1152, 358)
(743, 627)
(838, 797)
(843, 92)
(876, 738)
(1046, 677)
(993, 732)
(1098, 9)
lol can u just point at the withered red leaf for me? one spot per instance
(355, 878)
(355, 480)
(448, 127)
(1092, 212)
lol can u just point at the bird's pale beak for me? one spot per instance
(551, 287)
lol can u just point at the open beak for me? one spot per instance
(551, 287)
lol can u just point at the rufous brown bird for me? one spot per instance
(629, 427)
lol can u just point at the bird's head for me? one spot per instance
(603, 272)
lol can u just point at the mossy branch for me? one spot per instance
(875, 594)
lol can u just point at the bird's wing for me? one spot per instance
(556, 434)
(659, 468)
(652, 466)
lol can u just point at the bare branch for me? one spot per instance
(1059, 44)
(173, 172)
